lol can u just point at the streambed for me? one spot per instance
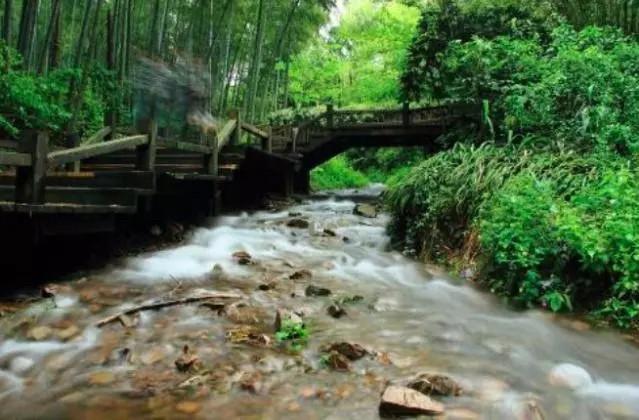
(55, 362)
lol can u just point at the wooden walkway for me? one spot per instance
(128, 175)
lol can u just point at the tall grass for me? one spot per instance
(337, 173)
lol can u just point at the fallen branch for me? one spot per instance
(164, 304)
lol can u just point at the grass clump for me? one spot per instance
(337, 173)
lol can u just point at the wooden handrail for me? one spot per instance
(184, 146)
(9, 144)
(15, 159)
(84, 152)
(225, 133)
(249, 128)
(99, 136)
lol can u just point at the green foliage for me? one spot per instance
(293, 334)
(360, 60)
(337, 174)
(453, 23)
(42, 102)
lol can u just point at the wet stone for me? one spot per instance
(301, 275)
(365, 210)
(40, 333)
(242, 258)
(67, 333)
(401, 401)
(336, 311)
(439, 385)
(349, 350)
(315, 291)
(187, 360)
(338, 362)
(188, 407)
(330, 233)
(298, 223)
(101, 378)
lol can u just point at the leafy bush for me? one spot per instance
(335, 174)
(42, 102)
(294, 334)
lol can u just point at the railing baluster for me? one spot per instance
(30, 180)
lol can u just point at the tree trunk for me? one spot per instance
(79, 49)
(26, 37)
(256, 63)
(6, 25)
(48, 40)
(155, 30)
(55, 54)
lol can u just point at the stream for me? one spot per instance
(56, 362)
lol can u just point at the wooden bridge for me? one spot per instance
(143, 173)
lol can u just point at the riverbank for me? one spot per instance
(102, 340)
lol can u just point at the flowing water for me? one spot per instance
(56, 363)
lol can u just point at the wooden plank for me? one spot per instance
(61, 208)
(80, 196)
(99, 136)
(9, 144)
(184, 146)
(84, 152)
(225, 133)
(250, 128)
(15, 159)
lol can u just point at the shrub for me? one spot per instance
(335, 174)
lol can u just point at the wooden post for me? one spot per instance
(145, 154)
(267, 142)
(30, 180)
(211, 161)
(73, 140)
(234, 114)
(406, 113)
(295, 131)
(330, 115)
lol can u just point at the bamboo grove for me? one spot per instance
(245, 46)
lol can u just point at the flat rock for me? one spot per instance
(101, 378)
(402, 401)
(188, 407)
(40, 333)
(440, 385)
(298, 223)
(67, 333)
(314, 291)
(349, 350)
(301, 275)
(365, 210)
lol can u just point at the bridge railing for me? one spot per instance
(33, 157)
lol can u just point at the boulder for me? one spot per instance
(365, 210)
(298, 224)
(569, 376)
(402, 401)
(351, 351)
(313, 291)
(440, 385)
